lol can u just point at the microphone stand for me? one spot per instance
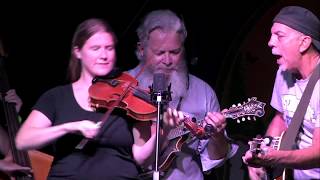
(160, 98)
(156, 175)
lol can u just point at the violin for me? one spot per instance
(122, 92)
(107, 92)
(119, 90)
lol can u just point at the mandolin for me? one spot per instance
(38, 161)
(190, 127)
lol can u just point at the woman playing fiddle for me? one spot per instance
(62, 117)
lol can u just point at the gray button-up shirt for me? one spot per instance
(193, 159)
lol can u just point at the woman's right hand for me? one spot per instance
(87, 128)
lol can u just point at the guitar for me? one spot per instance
(260, 145)
(190, 128)
(38, 161)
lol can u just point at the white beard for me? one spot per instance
(178, 79)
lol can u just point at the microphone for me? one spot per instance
(159, 92)
(159, 81)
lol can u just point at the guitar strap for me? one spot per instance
(288, 139)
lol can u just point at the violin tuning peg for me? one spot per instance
(243, 119)
(238, 121)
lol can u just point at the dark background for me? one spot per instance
(226, 46)
(37, 36)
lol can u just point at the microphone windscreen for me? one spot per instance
(159, 81)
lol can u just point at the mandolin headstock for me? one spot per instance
(253, 108)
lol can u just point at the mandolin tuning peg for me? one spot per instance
(233, 105)
(239, 104)
(249, 99)
(243, 119)
(249, 118)
(254, 118)
(238, 121)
